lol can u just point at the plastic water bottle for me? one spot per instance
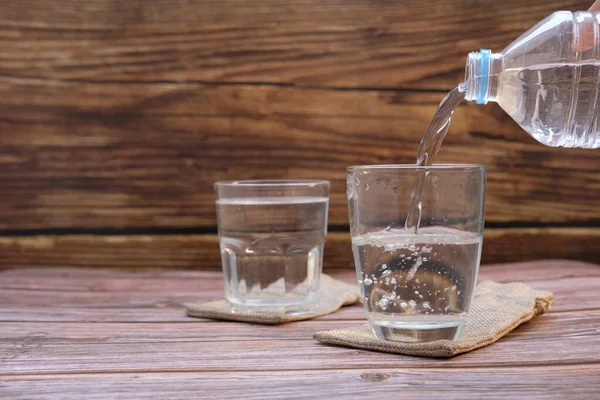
(547, 80)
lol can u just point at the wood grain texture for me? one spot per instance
(94, 352)
(325, 43)
(93, 295)
(119, 117)
(201, 252)
(582, 297)
(285, 355)
(407, 383)
(90, 155)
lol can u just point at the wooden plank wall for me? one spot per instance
(116, 117)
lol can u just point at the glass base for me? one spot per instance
(303, 308)
(415, 332)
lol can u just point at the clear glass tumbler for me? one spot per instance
(416, 284)
(272, 234)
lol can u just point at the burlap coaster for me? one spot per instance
(496, 310)
(333, 295)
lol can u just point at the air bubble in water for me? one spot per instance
(413, 270)
(391, 296)
(383, 303)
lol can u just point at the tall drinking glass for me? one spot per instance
(416, 284)
(271, 235)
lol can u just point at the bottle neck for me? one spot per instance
(481, 75)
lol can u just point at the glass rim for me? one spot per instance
(273, 183)
(414, 167)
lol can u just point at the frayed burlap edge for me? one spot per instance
(497, 309)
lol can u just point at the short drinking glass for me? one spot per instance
(271, 236)
(416, 279)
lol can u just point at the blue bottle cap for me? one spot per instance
(483, 78)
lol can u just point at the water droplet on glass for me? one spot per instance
(386, 273)
(412, 303)
(403, 305)
(393, 281)
(426, 305)
(367, 281)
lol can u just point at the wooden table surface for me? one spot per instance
(94, 333)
